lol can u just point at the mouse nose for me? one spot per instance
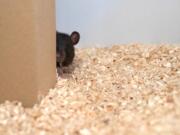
(62, 56)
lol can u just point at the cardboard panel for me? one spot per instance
(27, 49)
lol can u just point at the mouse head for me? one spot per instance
(75, 37)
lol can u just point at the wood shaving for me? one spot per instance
(121, 90)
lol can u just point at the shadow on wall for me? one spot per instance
(120, 21)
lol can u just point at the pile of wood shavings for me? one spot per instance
(123, 90)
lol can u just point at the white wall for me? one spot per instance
(104, 22)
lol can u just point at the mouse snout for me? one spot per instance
(62, 56)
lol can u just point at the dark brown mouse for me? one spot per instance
(65, 51)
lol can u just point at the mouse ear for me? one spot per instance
(75, 36)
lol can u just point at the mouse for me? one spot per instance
(65, 50)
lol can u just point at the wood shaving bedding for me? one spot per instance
(122, 90)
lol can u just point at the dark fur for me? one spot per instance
(65, 51)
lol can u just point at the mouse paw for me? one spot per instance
(59, 71)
